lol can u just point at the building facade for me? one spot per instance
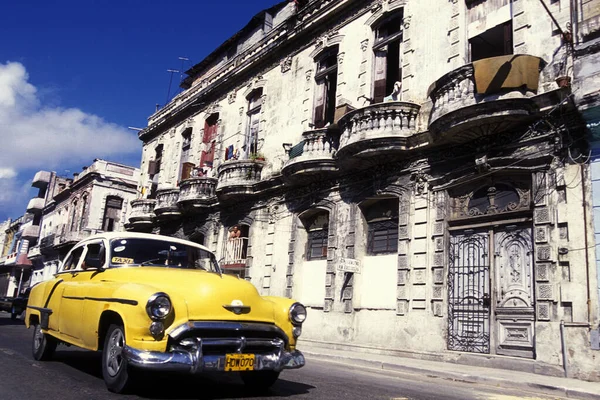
(408, 170)
(95, 200)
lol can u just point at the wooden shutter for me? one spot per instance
(151, 167)
(186, 170)
(321, 93)
(508, 34)
(380, 75)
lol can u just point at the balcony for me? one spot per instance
(235, 253)
(35, 205)
(34, 252)
(41, 179)
(166, 204)
(196, 193)
(237, 178)
(312, 159)
(382, 129)
(31, 232)
(489, 96)
(142, 213)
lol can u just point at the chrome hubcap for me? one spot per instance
(114, 352)
(38, 338)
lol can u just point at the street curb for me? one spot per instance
(553, 390)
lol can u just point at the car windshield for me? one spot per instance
(160, 253)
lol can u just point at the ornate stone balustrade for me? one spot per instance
(142, 213)
(458, 109)
(166, 203)
(197, 193)
(237, 178)
(377, 129)
(315, 159)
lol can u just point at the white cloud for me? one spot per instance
(7, 173)
(33, 136)
(36, 137)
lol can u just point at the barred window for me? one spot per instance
(383, 237)
(382, 225)
(317, 229)
(317, 245)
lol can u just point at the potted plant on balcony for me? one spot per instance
(257, 157)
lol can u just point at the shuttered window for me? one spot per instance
(254, 107)
(112, 214)
(211, 126)
(388, 66)
(325, 94)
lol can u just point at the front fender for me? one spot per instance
(281, 309)
(128, 301)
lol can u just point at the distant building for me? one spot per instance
(14, 266)
(416, 172)
(70, 210)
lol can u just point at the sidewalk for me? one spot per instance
(542, 384)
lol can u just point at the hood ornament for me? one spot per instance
(237, 307)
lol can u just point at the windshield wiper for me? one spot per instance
(151, 261)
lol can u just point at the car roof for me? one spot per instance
(137, 235)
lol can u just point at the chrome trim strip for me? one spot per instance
(193, 361)
(107, 299)
(177, 332)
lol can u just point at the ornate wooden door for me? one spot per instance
(513, 292)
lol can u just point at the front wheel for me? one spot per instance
(115, 370)
(259, 380)
(43, 345)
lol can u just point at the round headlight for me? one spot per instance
(297, 313)
(159, 306)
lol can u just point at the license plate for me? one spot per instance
(239, 362)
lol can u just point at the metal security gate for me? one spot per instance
(469, 293)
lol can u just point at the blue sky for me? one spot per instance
(74, 74)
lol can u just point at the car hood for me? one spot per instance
(200, 295)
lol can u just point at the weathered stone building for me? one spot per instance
(412, 171)
(70, 210)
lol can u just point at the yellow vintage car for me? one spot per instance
(152, 302)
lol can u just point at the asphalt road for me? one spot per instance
(75, 374)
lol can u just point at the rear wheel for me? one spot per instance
(115, 370)
(43, 345)
(259, 380)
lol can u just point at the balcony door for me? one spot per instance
(490, 291)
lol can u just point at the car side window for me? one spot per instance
(95, 256)
(73, 260)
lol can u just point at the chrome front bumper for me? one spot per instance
(193, 361)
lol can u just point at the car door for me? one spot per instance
(71, 301)
(94, 291)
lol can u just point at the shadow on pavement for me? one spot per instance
(181, 386)
(9, 321)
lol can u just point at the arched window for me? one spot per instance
(112, 213)
(317, 229)
(84, 205)
(73, 215)
(493, 199)
(381, 215)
